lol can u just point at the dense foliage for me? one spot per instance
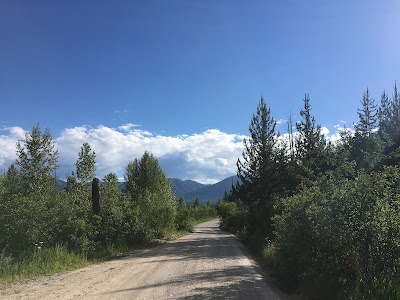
(90, 216)
(324, 216)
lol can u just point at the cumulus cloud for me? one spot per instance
(205, 157)
(17, 132)
(325, 131)
(339, 129)
(8, 139)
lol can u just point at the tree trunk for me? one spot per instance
(96, 196)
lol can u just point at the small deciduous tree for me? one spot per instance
(150, 192)
(37, 161)
(11, 184)
(85, 165)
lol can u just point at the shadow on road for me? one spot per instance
(205, 243)
(217, 284)
(227, 277)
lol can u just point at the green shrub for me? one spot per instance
(339, 236)
(233, 217)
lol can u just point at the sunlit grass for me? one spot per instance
(47, 261)
(43, 261)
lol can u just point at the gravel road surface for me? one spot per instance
(208, 264)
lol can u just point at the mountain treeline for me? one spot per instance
(325, 216)
(89, 216)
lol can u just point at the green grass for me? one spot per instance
(44, 261)
(48, 261)
(383, 288)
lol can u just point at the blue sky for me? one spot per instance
(189, 73)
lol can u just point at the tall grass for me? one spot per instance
(49, 260)
(43, 261)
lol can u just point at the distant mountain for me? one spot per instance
(122, 185)
(181, 187)
(211, 192)
(189, 189)
(60, 184)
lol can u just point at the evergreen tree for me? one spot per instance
(260, 148)
(368, 116)
(395, 121)
(389, 119)
(257, 170)
(389, 127)
(196, 203)
(367, 147)
(181, 203)
(37, 161)
(384, 116)
(311, 149)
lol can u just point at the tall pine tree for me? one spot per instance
(366, 145)
(257, 170)
(312, 153)
(389, 126)
(368, 116)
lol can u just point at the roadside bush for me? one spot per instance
(203, 212)
(233, 217)
(341, 236)
(183, 219)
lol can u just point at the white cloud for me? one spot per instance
(17, 132)
(8, 143)
(127, 127)
(280, 121)
(206, 157)
(336, 136)
(325, 131)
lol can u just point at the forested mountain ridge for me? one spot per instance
(189, 189)
(181, 187)
(211, 192)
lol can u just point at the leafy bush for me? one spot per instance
(341, 235)
(233, 217)
(183, 219)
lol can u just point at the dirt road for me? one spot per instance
(208, 264)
